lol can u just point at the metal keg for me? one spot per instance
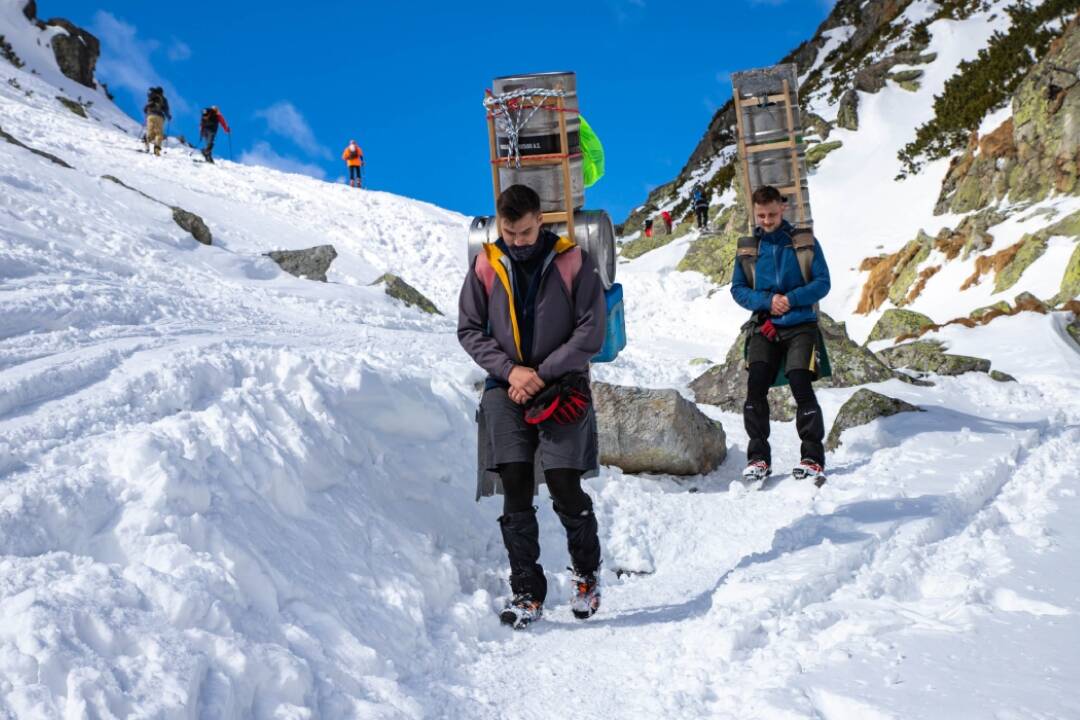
(540, 136)
(593, 231)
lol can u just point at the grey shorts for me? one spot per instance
(505, 437)
(795, 348)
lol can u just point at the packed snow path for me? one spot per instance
(227, 493)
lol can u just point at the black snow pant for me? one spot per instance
(521, 532)
(208, 137)
(702, 212)
(808, 420)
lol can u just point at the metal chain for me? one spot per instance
(512, 124)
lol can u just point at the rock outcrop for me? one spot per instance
(193, 224)
(76, 50)
(310, 263)
(1036, 151)
(656, 431)
(928, 356)
(406, 293)
(894, 323)
(861, 408)
(848, 115)
(188, 221)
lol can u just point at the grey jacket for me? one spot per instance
(569, 320)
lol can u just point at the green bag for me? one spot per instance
(592, 154)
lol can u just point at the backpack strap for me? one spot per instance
(747, 252)
(485, 272)
(568, 263)
(803, 242)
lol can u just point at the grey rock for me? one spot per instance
(406, 293)
(1001, 377)
(311, 263)
(188, 221)
(895, 322)
(848, 114)
(725, 385)
(73, 106)
(41, 153)
(656, 431)
(193, 224)
(929, 357)
(861, 408)
(76, 52)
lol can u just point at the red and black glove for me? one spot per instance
(768, 330)
(565, 401)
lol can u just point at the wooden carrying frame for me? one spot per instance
(563, 157)
(787, 99)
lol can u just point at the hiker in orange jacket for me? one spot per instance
(354, 158)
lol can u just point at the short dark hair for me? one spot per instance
(517, 201)
(767, 194)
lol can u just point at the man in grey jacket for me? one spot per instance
(532, 314)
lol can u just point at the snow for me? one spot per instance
(228, 493)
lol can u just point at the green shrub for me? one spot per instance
(985, 83)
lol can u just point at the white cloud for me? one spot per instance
(262, 154)
(282, 118)
(179, 50)
(125, 61)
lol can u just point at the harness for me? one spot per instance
(802, 240)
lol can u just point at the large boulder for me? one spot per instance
(193, 224)
(76, 51)
(725, 385)
(895, 322)
(847, 116)
(311, 263)
(862, 407)
(406, 293)
(656, 431)
(929, 356)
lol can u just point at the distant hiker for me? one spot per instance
(532, 314)
(666, 217)
(648, 228)
(353, 156)
(157, 112)
(208, 127)
(780, 275)
(700, 200)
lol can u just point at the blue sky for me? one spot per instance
(298, 80)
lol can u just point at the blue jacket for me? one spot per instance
(778, 273)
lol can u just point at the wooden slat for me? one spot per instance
(756, 101)
(795, 172)
(568, 191)
(553, 218)
(779, 145)
(740, 145)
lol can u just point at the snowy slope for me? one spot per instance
(229, 493)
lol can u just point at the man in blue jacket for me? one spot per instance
(785, 331)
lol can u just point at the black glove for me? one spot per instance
(565, 401)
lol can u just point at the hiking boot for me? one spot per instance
(756, 471)
(586, 599)
(809, 470)
(521, 611)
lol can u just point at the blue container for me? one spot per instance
(615, 333)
